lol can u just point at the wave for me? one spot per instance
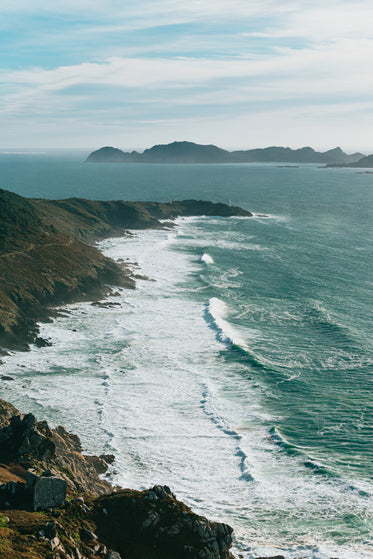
(320, 317)
(215, 312)
(207, 259)
(220, 424)
(313, 465)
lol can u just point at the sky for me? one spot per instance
(234, 73)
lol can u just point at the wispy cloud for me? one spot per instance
(98, 63)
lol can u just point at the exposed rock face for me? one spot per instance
(48, 491)
(24, 437)
(24, 440)
(83, 469)
(7, 411)
(158, 525)
(42, 492)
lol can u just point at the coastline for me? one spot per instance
(47, 257)
(131, 296)
(183, 533)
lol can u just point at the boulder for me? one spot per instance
(48, 491)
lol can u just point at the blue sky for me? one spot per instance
(238, 73)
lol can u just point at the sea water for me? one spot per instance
(240, 372)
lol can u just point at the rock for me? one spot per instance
(165, 527)
(55, 543)
(84, 475)
(50, 530)
(7, 411)
(87, 535)
(100, 463)
(14, 493)
(23, 436)
(6, 377)
(113, 555)
(48, 491)
(41, 342)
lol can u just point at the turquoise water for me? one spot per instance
(272, 316)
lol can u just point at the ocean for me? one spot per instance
(241, 372)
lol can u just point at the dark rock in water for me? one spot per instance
(6, 377)
(105, 304)
(100, 463)
(164, 527)
(41, 342)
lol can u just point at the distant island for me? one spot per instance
(190, 152)
(364, 162)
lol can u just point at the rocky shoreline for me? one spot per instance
(48, 257)
(53, 504)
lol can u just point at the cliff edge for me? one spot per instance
(47, 256)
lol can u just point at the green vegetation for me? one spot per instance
(18, 220)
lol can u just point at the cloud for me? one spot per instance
(145, 62)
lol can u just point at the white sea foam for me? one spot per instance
(207, 259)
(217, 310)
(149, 382)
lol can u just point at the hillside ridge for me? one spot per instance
(48, 257)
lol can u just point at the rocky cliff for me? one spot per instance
(47, 257)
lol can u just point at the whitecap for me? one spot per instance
(207, 259)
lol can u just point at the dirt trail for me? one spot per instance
(32, 246)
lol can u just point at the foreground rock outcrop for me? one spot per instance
(43, 470)
(160, 525)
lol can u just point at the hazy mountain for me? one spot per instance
(190, 152)
(364, 162)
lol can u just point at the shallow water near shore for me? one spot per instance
(241, 376)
